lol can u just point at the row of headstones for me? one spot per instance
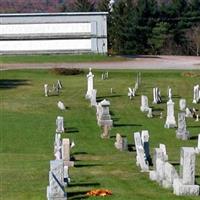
(181, 132)
(132, 91)
(55, 90)
(163, 172)
(59, 168)
(102, 108)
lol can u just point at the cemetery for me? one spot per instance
(127, 134)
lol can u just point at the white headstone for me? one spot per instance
(93, 100)
(60, 124)
(61, 105)
(181, 132)
(55, 190)
(90, 77)
(169, 93)
(188, 113)
(187, 165)
(121, 142)
(196, 96)
(156, 96)
(144, 104)
(182, 104)
(170, 121)
(149, 114)
(46, 90)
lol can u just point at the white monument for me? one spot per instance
(170, 121)
(90, 77)
(60, 124)
(182, 104)
(196, 95)
(46, 90)
(156, 96)
(181, 132)
(144, 104)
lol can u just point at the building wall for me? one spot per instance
(53, 32)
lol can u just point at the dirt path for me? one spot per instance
(141, 62)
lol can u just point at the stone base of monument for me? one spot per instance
(57, 197)
(144, 109)
(183, 136)
(170, 125)
(183, 190)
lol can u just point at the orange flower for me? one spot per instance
(99, 192)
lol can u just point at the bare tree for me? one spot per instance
(193, 36)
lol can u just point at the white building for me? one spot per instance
(53, 33)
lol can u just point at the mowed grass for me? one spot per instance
(59, 58)
(28, 128)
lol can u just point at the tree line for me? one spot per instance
(135, 26)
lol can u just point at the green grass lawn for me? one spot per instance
(59, 58)
(28, 126)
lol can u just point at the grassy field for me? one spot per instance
(58, 58)
(28, 126)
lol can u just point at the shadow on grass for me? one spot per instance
(193, 126)
(87, 165)
(79, 153)
(195, 137)
(12, 83)
(120, 125)
(77, 195)
(101, 98)
(86, 184)
(131, 147)
(71, 130)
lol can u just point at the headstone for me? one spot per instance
(169, 93)
(142, 163)
(60, 124)
(105, 118)
(57, 146)
(196, 96)
(197, 149)
(121, 142)
(131, 93)
(149, 114)
(61, 105)
(66, 152)
(187, 165)
(145, 142)
(170, 121)
(55, 190)
(188, 113)
(181, 132)
(144, 104)
(46, 90)
(66, 149)
(185, 185)
(90, 77)
(111, 90)
(163, 148)
(156, 96)
(99, 113)
(138, 142)
(197, 118)
(170, 174)
(93, 100)
(182, 104)
(59, 85)
(140, 158)
(158, 154)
